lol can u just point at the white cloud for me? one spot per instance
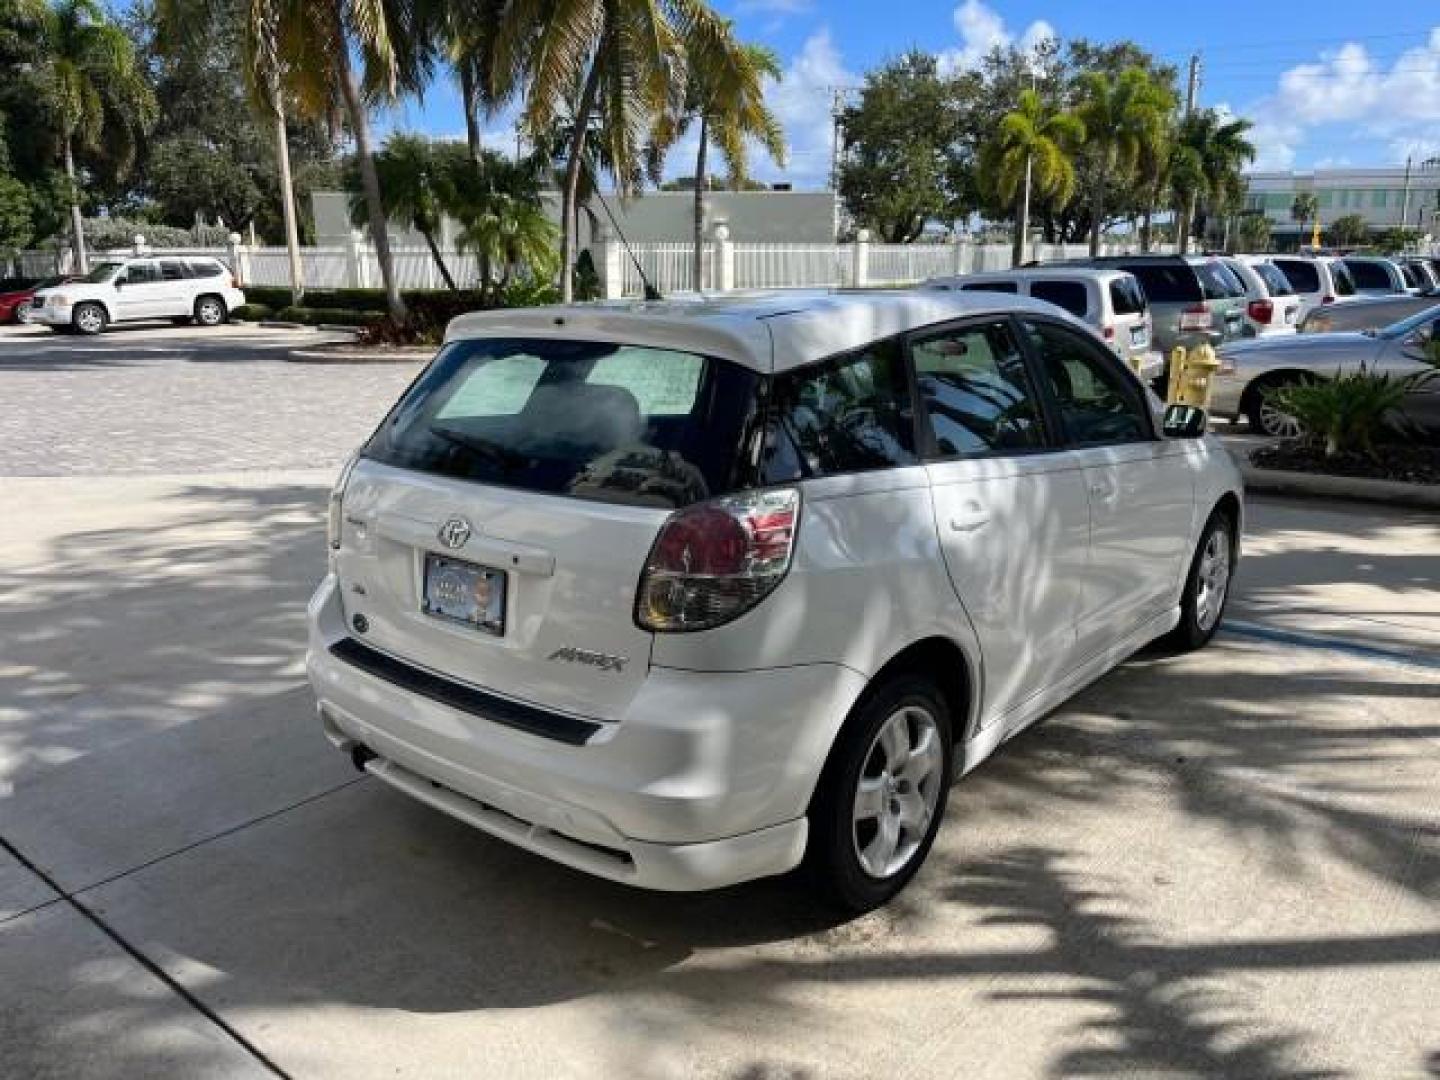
(1396, 103)
(981, 29)
(802, 99)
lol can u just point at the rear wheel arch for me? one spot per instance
(945, 662)
(1279, 377)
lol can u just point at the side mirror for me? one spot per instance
(1184, 422)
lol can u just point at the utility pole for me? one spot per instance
(1193, 84)
(1183, 215)
(1405, 198)
(1024, 223)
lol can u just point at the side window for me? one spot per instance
(1126, 297)
(1303, 276)
(991, 286)
(1368, 275)
(1070, 295)
(142, 273)
(976, 393)
(1344, 283)
(1099, 403)
(172, 269)
(203, 268)
(848, 414)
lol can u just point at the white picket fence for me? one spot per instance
(668, 267)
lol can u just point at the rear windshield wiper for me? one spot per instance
(503, 456)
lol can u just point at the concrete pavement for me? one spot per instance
(1225, 864)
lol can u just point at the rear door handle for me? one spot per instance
(972, 517)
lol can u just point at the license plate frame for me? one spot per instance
(451, 590)
(1139, 336)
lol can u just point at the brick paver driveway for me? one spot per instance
(171, 400)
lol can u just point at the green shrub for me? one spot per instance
(1347, 412)
(252, 312)
(317, 316)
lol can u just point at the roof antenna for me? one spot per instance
(651, 293)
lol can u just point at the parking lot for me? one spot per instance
(1225, 864)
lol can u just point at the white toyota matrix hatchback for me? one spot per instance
(684, 594)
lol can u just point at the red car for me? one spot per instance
(14, 304)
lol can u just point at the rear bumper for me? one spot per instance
(703, 782)
(51, 316)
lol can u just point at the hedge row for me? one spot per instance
(349, 299)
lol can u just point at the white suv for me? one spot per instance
(180, 288)
(684, 594)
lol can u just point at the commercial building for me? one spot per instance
(1385, 198)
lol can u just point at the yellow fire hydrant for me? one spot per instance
(1190, 373)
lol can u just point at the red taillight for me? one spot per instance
(1196, 317)
(1327, 299)
(1262, 311)
(1109, 333)
(713, 562)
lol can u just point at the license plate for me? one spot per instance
(1139, 335)
(1290, 316)
(465, 593)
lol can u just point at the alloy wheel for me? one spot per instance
(1213, 579)
(209, 312)
(90, 319)
(898, 791)
(1276, 421)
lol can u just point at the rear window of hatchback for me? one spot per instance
(1073, 296)
(1166, 282)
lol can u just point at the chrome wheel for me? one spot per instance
(209, 312)
(1276, 421)
(898, 791)
(90, 319)
(22, 314)
(1212, 579)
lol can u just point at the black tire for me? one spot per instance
(833, 851)
(1261, 420)
(89, 319)
(210, 311)
(1198, 618)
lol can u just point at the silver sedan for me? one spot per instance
(1364, 313)
(1249, 370)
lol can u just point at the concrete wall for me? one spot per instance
(655, 216)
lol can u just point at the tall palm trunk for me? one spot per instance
(1186, 220)
(1017, 245)
(287, 201)
(701, 183)
(569, 197)
(369, 179)
(1097, 213)
(77, 224)
(439, 260)
(469, 101)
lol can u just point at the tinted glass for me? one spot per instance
(1344, 283)
(613, 423)
(201, 268)
(1302, 276)
(101, 273)
(1126, 296)
(1368, 275)
(173, 270)
(141, 273)
(1411, 276)
(976, 393)
(845, 415)
(1098, 402)
(1166, 283)
(1217, 281)
(1275, 280)
(991, 286)
(1070, 295)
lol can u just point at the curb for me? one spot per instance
(359, 356)
(1319, 485)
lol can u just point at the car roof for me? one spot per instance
(1049, 270)
(765, 331)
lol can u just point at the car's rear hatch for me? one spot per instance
(495, 527)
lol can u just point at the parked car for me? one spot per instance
(1319, 280)
(15, 304)
(120, 290)
(1272, 307)
(1375, 275)
(1422, 274)
(684, 593)
(1364, 313)
(1250, 371)
(1111, 301)
(1194, 299)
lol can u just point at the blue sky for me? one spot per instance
(1326, 82)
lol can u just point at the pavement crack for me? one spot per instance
(135, 953)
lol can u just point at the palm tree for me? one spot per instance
(1031, 147)
(725, 100)
(97, 89)
(513, 233)
(625, 56)
(414, 174)
(1303, 211)
(316, 44)
(1210, 153)
(1124, 118)
(466, 31)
